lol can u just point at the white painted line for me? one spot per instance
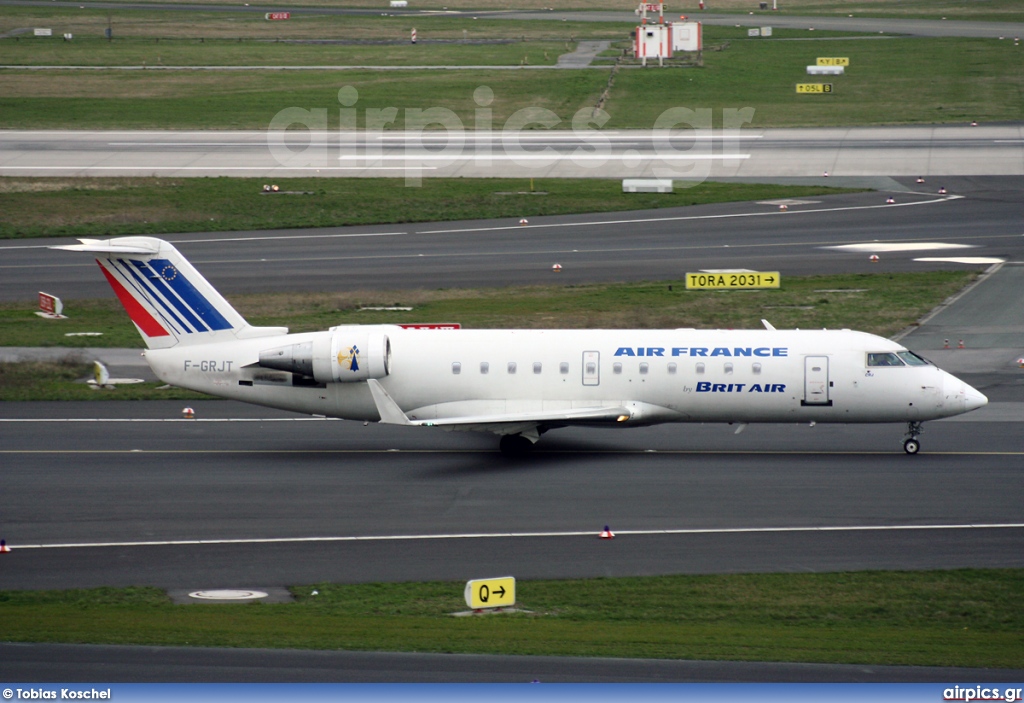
(347, 235)
(210, 168)
(288, 237)
(961, 260)
(573, 138)
(552, 157)
(168, 419)
(527, 535)
(898, 246)
(685, 218)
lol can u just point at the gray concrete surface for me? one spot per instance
(939, 150)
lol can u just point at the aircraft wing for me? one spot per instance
(392, 414)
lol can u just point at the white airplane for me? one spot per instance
(101, 378)
(518, 384)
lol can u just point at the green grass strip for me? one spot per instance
(969, 618)
(49, 207)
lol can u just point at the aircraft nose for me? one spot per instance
(960, 397)
(973, 399)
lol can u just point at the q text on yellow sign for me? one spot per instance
(491, 593)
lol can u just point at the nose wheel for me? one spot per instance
(912, 445)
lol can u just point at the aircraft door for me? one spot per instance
(816, 383)
(591, 368)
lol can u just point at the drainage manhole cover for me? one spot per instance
(228, 594)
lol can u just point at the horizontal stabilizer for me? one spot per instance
(122, 245)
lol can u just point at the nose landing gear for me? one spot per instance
(912, 445)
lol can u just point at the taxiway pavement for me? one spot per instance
(978, 217)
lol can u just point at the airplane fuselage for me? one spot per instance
(682, 375)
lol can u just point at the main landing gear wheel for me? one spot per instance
(512, 444)
(912, 445)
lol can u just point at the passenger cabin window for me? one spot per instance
(672, 367)
(456, 367)
(728, 367)
(643, 367)
(757, 368)
(563, 367)
(700, 367)
(511, 367)
(537, 367)
(484, 367)
(884, 359)
(617, 367)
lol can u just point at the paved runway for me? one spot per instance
(941, 150)
(71, 663)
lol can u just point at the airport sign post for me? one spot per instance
(808, 88)
(733, 279)
(833, 61)
(491, 593)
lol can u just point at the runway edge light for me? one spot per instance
(607, 533)
(3, 546)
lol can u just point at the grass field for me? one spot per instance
(65, 380)
(878, 303)
(130, 24)
(969, 618)
(37, 207)
(939, 81)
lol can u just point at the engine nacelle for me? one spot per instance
(341, 355)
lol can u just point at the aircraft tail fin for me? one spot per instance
(166, 298)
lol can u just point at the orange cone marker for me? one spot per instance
(188, 413)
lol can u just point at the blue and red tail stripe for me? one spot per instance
(139, 315)
(181, 305)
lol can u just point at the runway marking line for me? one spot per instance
(607, 452)
(682, 218)
(520, 535)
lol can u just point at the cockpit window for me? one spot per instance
(884, 359)
(912, 359)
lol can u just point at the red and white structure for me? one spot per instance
(661, 40)
(50, 307)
